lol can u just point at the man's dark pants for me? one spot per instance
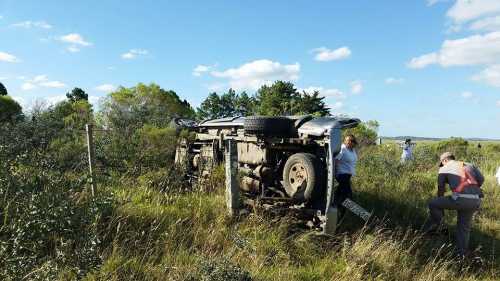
(465, 208)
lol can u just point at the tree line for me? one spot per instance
(136, 113)
(280, 98)
(128, 110)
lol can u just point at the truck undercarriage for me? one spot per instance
(288, 158)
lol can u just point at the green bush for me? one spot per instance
(155, 146)
(457, 146)
(149, 148)
(49, 222)
(48, 217)
(69, 152)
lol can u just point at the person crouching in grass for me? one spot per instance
(465, 181)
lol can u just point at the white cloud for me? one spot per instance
(392, 80)
(139, 51)
(200, 69)
(466, 10)
(55, 99)
(21, 101)
(95, 100)
(325, 54)
(27, 86)
(43, 103)
(486, 24)
(356, 87)
(133, 53)
(128, 56)
(106, 88)
(434, 2)
(73, 49)
(498, 103)
(31, 24)
(472, 50)
(53, 84)
(467, 95)
(6, 57)
(325, 92)
(252, 75)
(40, 78)
(479, 49)
(454, 28)
(3, 78)
(40, 81)
(490, 75)
(336, 106)
(423, 61)
(75, 38)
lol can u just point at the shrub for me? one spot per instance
(222, 270)
(49, 222)
(148, 148)
(69, 152)
(156, 146)
(47, 217)
(457, 146)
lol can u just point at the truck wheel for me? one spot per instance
(181, 123)
(303, 177)
(268, 126)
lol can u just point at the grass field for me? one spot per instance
(138, 231)
(189, 237)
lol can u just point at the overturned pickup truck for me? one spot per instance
(287, 158)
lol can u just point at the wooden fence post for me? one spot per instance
(232, 186)
(91, 154)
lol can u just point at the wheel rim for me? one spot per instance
(297, 177)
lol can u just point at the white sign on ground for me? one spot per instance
(356, 209)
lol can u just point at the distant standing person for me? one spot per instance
(407, 154)
(345, 168)
(498, 175)
(465, 182)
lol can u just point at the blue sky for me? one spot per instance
(422, 67)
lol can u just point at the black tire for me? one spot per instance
(179, 124)
(268, 126)
(303, 177)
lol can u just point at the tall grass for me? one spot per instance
(189, 237)
(168, 233)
